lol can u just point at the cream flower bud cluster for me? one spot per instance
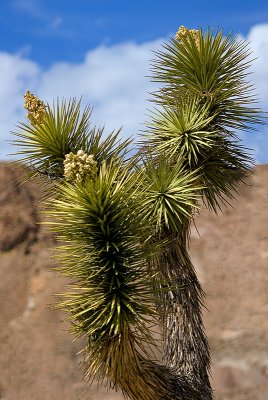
(183, 33)
(79, 166)
(35, 107)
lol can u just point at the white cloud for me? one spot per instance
(258, 43)
(16, 73)
(112, 79)
(258, 39)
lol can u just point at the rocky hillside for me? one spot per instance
(40, 361)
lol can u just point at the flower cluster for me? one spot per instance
(35, 107)
(79, 166)
(183, 33)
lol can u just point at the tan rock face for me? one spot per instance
(18, 216)
(227, 378)
(39, 360)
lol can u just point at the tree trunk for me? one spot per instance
(186, 350)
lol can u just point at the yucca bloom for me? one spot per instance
(36, 108)
(184, 33)
(79, 166)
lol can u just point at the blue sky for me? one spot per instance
(101, 50)
(64, 30)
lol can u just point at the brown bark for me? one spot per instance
(186, 350)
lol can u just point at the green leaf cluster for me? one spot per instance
(215, 69)
(204, 101)
(172, 194)
(105, 253)
(65, 128)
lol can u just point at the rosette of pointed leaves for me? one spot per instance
(204, 101)
(187, 133)
(65, 128)
(182, 131)
(171, 194)
(216, 70)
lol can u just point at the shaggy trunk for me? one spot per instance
(186, 350)
(162, 384)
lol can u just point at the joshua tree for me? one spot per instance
(125, 221)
